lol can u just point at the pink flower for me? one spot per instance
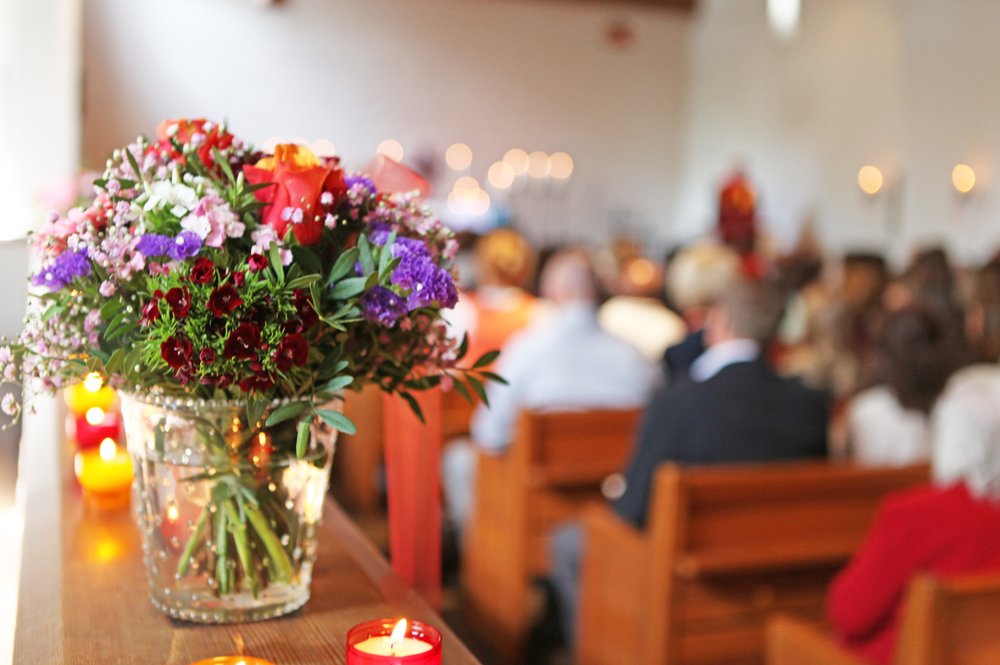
(107, 288)
(213, 221)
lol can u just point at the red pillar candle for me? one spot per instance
(96, 425)
(391, 642)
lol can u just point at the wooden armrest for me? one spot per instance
(606, 530)
(791, 641)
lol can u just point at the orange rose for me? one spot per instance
(298, 181)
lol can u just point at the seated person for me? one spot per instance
(732, 408)
(948, 528)
(887, 424)
(563, 362)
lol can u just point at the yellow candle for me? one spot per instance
(233, 660)
(107, 470)
(384, 646)
(89, 393)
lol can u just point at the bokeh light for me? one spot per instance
(538, 164)
(517, 159)
(458, 156)
(392, 149)
(501, 175)
(560, 165)
(870, 179)
(963, 178)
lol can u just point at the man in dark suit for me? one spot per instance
(730, 408)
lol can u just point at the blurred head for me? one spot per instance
(568, 277)
(747, 310)
(982, 316)
(915, 356)
(504, 258)
(967, 432)
(864, 277)
(639, 276)
(700, 274)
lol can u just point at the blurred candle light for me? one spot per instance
(392, 149)
(963, 178)
(517, 159)
(89, 393)
(323, 148)
(501, 175)
(870, 180)
(538, 164)
(107, 470)
(458, 156)
(466, 184)
(560, 165)
(479, 204)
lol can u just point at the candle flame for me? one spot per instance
(108, 450)
(398, 633)
(172, 512)
(93, 382)
(95, 415)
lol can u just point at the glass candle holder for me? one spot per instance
(369, 644)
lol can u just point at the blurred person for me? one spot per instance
(887, 424)
(499, 306)
(731, 408)
(696, 278)
(982, 315)
(634, 313)
(562, 362)
(948, 528)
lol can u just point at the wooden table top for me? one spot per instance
(83, 595)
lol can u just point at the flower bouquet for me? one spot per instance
(232, 296)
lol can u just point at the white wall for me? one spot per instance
(492, 74)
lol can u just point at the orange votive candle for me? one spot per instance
(104, 470)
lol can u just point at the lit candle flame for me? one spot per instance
(172, 512)
(398, 633)
(108, 450)
(93, 382)
(95, 415)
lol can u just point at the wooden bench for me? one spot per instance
(554, 466)
(724, 547)
(945, 622)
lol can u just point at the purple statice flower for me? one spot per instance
(427, 282)
(154, 244)
(64, 269)
(353, 179)
(184, 246)
(383, 306)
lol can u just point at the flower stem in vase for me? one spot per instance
(238, 528)
(191, 546)
(276, 552)
(221, 548)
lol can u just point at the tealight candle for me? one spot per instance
(95, 426)
(89, 393)
(107, 470)
(388, 642)
(233, 660)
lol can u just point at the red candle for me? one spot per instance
(95, 426)
(391, 642)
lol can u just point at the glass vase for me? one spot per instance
(227, 509)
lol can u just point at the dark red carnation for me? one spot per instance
(176, 352)
(303, 303)
(202, 271)
(224, 381)
(239, 278)
(224, 300)
(257, 262)
(207, 356)
(179, 300)
(243, 342)
(256, 382)
(293, 350)
(151, 310)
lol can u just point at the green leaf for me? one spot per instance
(463, 391)
(115, 362)
(223, 164)
(302, 438)
(414, 406)
(486, 359)
(53, 311)
(338, 383)
(286, 412)
(385, 254)
(337, 421)
(275, 256)
(492, 376)
(365, 254)
(350, 287)
(111, 308)
(302, 282)
(306, 258)
(255, 409)
(463, 348)
(343, 266)
(134, 164)
(477, 386)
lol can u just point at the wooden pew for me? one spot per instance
(357, 462)
(554, 466)
(945, 622)
(724, 547)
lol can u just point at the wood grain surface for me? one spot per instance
(83, 596)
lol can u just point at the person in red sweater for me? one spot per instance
(949, 528)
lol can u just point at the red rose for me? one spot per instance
(293, 350)
(180, 302)
(224, 300)
(176, 352)
(257, 262)
(202, 271)
(243, 342)
(297, 181)
(207, 356)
